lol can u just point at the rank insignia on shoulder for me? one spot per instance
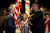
(38, 10)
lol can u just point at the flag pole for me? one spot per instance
(27, 7)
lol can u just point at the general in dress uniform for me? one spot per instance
(37, 20)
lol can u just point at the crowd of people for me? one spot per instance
(36, 23)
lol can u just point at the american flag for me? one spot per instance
(17, 9)
(27, 7)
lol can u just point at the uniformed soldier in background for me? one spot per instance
(46, 22)
(37, 19)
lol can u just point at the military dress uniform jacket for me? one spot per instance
(37, 21)
(45, 24)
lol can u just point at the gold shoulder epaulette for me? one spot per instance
(38, 10)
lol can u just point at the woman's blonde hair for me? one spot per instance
(24, 14)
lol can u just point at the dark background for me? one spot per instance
(6, 3)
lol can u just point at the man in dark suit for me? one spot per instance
(37, 20)
(10, 23)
